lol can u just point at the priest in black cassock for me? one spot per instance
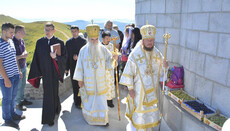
(73, 46)
(49, 67)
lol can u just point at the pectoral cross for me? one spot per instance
(140, 58)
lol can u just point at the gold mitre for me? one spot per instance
(148, 31)
(92, 30)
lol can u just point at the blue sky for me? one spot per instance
(68, 10)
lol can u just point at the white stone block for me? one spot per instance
(203, 90)
(219, 22)
(183, 35)
(200, 21)
(139, 0)
(189, 123)
(174, 117)
(193, 61)
(157, 6)
(138, 8)
(176, 20)
(173, 6)
(216, 69)
(164, 21)
(192, 40)
(151, 18)
(226, 5)
(186, 62)
(182, 54)
(228, 77)
(170, 50)
(189, 81)
(209, 128)
(168, 20)
(208, 43)
(211, 5)
(175, 35)
(224, 46)
(140, 20)
(186, 21)
(176, 54)
(194, 5)
(145, 7)
(199, 62)
(220, 99)
(184, 6)
(159, 35)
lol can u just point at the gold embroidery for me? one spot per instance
(129, 85)
(87, 82)
(149, 90)
(147, 111)
(98, 119)
(79, 69)
(101, 92)
(102, 77)
(91, 112)
(88, 77)
(151, 103)
(88, 60)
(140, 58)
(143, 126)
(102, 82)
(89, 87)
(127, 75)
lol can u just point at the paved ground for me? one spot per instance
(70, 118)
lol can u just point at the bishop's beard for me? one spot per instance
(148, 48)
(94, 49)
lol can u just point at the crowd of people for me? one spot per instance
(89, 59)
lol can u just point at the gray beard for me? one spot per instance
(94, 50)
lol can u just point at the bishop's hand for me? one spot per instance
(75, 57)
(132, 93)
(165, 64)
(115, 57)
(81, 84)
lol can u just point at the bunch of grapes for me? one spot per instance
(182, 95)
(199, 107)
(218, 119)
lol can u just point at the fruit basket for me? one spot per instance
(180, 95)
(215, 121)
(197, 109)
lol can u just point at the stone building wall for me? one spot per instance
(200, 42)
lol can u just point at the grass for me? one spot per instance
(35, 30)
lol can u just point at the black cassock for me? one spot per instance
(73, 47)
(50, 71)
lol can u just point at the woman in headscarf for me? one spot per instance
(126, 47)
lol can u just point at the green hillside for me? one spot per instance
(4, 19)
(35, 30)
